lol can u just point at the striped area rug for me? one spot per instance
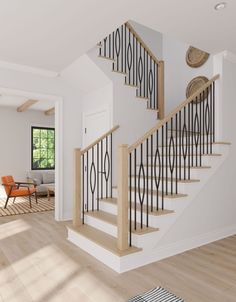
(157, 294)
(21, 206)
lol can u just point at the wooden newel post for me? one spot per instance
(122, 220)
(161, 83)
(77, 189)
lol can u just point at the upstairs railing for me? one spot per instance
(151, 168)
(133, 58)
(93, 175)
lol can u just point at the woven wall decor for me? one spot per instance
(194, 85)
(196, 57)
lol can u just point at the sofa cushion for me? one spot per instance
(36, 176)
(48, 177)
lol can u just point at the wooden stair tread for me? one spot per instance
(112, 219)
(199, 144)
(174, 179)
(103, 239)
(106, 58)
(151, 109)
(160, 212)
(120, 72)
(172, 196)
(131, 85)
(210, 154)
(142, 98)
(192, 167)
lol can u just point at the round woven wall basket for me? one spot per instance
(196, 57)
(194, 85)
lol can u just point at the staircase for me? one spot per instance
(159, 175)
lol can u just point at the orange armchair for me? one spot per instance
(18, 189)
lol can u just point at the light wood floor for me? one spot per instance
(37, 263)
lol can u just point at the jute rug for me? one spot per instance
(21, 206)
(157, 294)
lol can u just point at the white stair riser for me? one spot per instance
(154, 221)
(101, 225)
(182, 187)
(138, 240)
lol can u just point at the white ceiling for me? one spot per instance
(17, 100)
(51, 34)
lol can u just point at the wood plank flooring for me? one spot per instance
(37, 263)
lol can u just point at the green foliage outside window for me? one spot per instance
(43, 148)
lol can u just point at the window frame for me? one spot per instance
(32, 157)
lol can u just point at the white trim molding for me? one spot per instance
(29, 69)
(59, 142)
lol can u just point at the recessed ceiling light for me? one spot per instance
(220, 6)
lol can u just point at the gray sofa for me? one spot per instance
(42, 179)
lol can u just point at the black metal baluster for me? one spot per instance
(113, 47)
(176, 154)
(167, 143)
(189, 141)
(83, 188)
(171, 158)
(111, 181)
(144, 74)
(162, 167)
(180, 128)
(125, 50)
(195, 139)
(157, 178)
(152, 173)
(130, 199)
(97, 176)
(213, 109)
(211, 122)
(109, 46)
(106, 173)
(105, 47)
(101, 169)
(87, 171)
(147, 180)
(200, 144)
(122, 48)
(135, 189)
(184, 141)
(133, 62)
(192, 132)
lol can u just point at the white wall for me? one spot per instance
(15, 139)
(177, 73)
(152, 38)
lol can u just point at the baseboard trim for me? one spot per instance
(162, 252)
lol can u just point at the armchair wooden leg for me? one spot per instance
(30, 201)
(36, 197)
(6, 202)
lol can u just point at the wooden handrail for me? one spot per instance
(99, 139)
(172, 114)
(130, 27)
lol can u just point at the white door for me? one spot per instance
(94, 125)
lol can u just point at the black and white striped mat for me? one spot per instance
(157, 294)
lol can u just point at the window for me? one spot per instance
(42, 148)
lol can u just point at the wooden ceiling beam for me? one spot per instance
(26, 105)
(50, 111)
